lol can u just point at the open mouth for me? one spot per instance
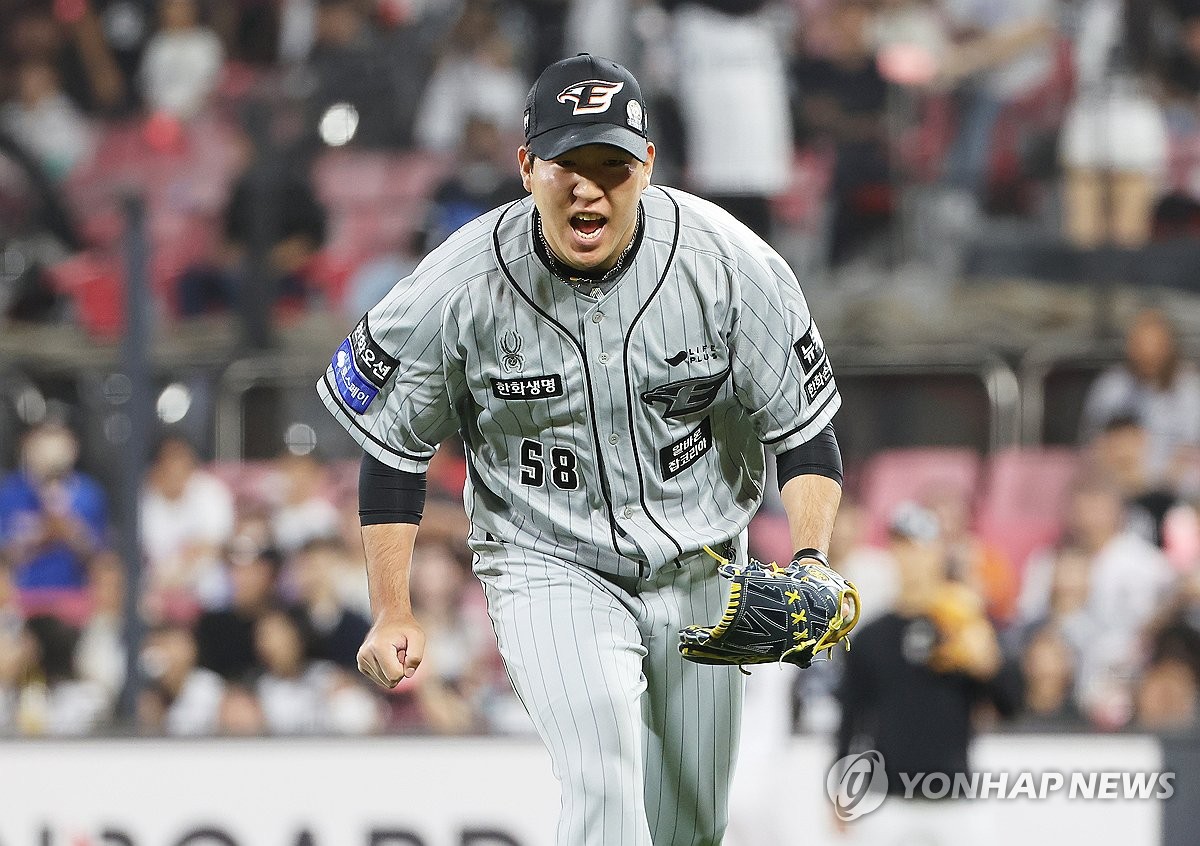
(588, 226)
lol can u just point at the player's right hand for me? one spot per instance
(392, 650)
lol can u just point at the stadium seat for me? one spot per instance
(1024, 497)
(350, 178)
(896, 475)
(94, 282)
(71, 606)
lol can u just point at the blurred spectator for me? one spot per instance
(914, 679)
(731, 87)
(338, 631)
(1002, 54)
(52, 517)
(1155, 385)
(305, 511)
(273, 199)
(70, 37)
(460, 651)
(240, 713)
(873, 570)
(1048, 664)
(1120, 451)
(100, 656)
(1113, 143)
(1168, 698)
(1128, 577)
(351, 63)
(182, 62)
(187, 518)
(475, 77)
(181, 697)
(842, 100)
(225, 637)
(300, 695)
(45, 122)
(482, 178)
(971, 559)
(913, 41)
(48, 697)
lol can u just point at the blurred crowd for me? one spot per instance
(253, 595)
(316, 148)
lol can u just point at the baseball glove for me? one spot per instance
(775, 613)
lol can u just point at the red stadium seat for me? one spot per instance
(73, 607)
(893, 476)
(94, 281)
(1024, 498)
(350, 178)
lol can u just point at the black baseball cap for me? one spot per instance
(585, 100)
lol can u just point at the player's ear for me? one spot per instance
(648, 170)
(525, 160)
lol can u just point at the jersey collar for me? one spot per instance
(575, 277)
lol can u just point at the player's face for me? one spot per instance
(588, 200)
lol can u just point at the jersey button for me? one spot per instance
(597, 317)
(627, 513)
(612, 439)
(604, 358)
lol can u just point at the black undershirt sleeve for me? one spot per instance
(820, 456)
(388, 495)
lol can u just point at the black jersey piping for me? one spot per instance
(629, 399)
(604, 490)
(807, 421)
(398, 453)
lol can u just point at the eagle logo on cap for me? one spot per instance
(591, 96)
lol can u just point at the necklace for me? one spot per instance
(574, 277)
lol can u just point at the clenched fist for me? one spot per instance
(392, 650)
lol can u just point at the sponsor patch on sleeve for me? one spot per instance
(375, 365)
(679, 456)
(819, 380)
(361, 368)
(810, 349)
(355, 391)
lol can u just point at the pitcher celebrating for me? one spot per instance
(615, 357)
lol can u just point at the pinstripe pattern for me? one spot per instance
(699, 281)
(629, 724)
(588, 505)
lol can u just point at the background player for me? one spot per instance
(615, 356)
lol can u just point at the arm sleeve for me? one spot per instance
(388, 495)
(781, 373)
(821, 457)
(386, 383)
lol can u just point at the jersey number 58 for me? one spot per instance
(563, 471)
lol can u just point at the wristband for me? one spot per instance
(810, 552)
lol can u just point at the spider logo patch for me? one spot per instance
(510, 347)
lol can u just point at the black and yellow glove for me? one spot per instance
(775, 613)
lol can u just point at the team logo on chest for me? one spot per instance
(510, 351)
(687, 396)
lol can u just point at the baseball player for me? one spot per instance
(615, 356)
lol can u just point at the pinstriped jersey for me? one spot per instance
(618, 430)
